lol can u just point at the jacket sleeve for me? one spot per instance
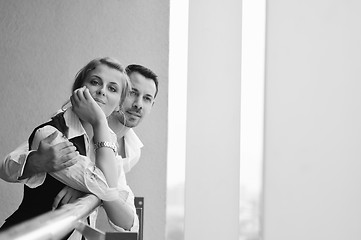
(12, 167)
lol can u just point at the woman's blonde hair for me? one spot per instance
(111, 63)
(107, 61)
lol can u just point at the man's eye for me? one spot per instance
(132, 93)
(148, 99)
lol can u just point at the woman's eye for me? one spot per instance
(112, 89)
(94, 82)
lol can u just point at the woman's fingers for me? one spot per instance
(87, 95)
(80, 93)
(80, 96)
(59, 197)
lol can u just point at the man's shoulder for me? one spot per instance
(132, 139)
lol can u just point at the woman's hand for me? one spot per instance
(67, 195)
(86, 107)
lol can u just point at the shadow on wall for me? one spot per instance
(175, 212)
(175, 230)
(249, 219)
(249, 215)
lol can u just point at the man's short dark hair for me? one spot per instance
(146, 72)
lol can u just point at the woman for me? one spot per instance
(100, 86)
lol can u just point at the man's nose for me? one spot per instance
(138, 103)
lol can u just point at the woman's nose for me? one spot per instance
(101, 91)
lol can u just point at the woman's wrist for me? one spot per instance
(100, 122)
(105, 144)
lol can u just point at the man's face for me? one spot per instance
(139, 102)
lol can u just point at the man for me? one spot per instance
(24, 166)
(136, 107)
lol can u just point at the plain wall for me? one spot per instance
(44, 43)
(213, 120)
(312, 120)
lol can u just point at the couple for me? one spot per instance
(88, 147)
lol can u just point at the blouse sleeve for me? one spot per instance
(130, 200)
(83, 175)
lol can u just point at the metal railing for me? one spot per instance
(55, 224)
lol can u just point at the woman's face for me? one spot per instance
(105, 85)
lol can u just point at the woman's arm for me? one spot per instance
(120, 213)
(85, 176)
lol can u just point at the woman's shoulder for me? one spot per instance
(55, 123)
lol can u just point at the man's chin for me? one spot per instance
(131, 122)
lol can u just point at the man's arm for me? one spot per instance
(50, 158)
(22, 164)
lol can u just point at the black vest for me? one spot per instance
(39, 200)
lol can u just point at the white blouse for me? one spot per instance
(83, 175)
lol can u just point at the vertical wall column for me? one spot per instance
(312, 120)
(213, 120)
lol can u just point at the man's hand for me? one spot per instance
(50, 158)
(66, 195)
